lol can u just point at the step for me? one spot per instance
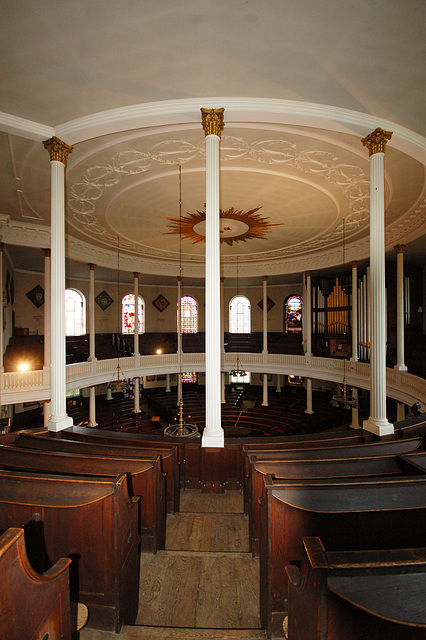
(169, 633)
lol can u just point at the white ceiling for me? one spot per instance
(61, 61)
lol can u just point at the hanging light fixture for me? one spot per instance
(180, 428)
(238, 371)
(118, 382)
(344, 398)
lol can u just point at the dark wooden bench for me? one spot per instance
(373, 459)
(283, 472)
(24, 592)
(146, 481)
(169, 462)
(92, 521)
(346, 516)
(357, 594)
(322, 450)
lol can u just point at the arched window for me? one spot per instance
(293, 313)
(189, 314)
(239, 315)
(75, 313)
(128, 314)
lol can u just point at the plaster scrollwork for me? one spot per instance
(350, 179)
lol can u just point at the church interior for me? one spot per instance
(213, 278)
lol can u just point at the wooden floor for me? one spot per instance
(205, 585)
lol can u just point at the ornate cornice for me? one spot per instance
(376, 141)
(58, 150)
(212, 121)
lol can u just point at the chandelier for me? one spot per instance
(180, 429)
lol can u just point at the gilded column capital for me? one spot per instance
(354, 264)
(376, 141)
(136, 274)
(57, 149)
(91, 266)
(222, 279)
(265, 278)
(1, 246)
(400, 248)
(212, 121)
(47, 253)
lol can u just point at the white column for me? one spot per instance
(265, 315)
(307, 315)
(136, 400)
(179, 339)
(377, 422)
(309, 408)
(355, 410)
(168, 390)
(47, 324)
(265, 401)
(58, 151)
(400, 411)
(136, 331)
(278, 383)
(354, 357)
(400, 308)
(213, 435)
(92, 406)
(92, 334)
(222, 388)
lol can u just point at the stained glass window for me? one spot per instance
(128, 314)
(239, 315)
(189, 314)
(75, 313)
(293, 313)
(190, 377)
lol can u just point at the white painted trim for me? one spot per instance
(187, 111)
(35, 386)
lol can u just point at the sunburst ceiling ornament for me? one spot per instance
(235, 226)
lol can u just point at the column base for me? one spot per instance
(380, 427)
(58, 424)
(91, 424)
(309, 411)
(136, 411)
(401, 367)
(216, 439)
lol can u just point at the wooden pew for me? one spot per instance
(374, 459)
(169, 462)
(24, 592)
(357, 594)
(330, 470)
(146, 481)
(346, 516)
(320, 450)
(95, 523)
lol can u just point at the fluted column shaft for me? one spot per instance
(92, 406)
(1, 308)
(47, 325)
(400, 365)
(307, 314)
(377, 421)
(92, 334)
(136, 398)
(354, 357)
(213, 435)
(265, 314)
(136, 329)
(58, 153)
(309, 408)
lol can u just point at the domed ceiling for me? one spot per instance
(294, 181)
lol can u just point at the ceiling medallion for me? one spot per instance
(235, 226)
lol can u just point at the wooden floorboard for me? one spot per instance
(228, 502)
(199, 589)
(205, 585)
(207, 532)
